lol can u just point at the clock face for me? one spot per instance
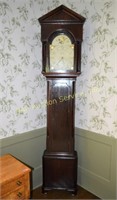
(61, 54)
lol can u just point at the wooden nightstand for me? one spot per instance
(14, 179)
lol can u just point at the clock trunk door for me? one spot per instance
(60, 115)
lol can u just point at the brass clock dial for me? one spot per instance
(61, 54)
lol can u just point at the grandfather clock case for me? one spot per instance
(61, 36)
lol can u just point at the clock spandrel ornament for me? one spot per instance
(61, 36)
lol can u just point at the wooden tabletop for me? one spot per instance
(11, 168)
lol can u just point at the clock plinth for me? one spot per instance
(61, 35)
(60, 172)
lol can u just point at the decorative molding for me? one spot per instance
(28, 148)
(98, 177)
(22, 137)
(97, 163)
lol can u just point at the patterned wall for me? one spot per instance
(22, 86)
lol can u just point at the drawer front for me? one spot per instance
(12, 186)
(18, 194)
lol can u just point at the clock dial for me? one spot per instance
(61, 54)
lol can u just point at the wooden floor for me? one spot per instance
(56, 194)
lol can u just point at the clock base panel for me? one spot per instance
(60, 172)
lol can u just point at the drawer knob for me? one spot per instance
(19, 194)
(19, 183)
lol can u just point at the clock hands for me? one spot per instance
(60, 61)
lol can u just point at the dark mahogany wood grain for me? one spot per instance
(60, 115)
(60, 172)
(60, 159)
(61, 20)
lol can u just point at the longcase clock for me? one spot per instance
(61, 36)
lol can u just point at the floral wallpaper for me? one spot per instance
(23, 87)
